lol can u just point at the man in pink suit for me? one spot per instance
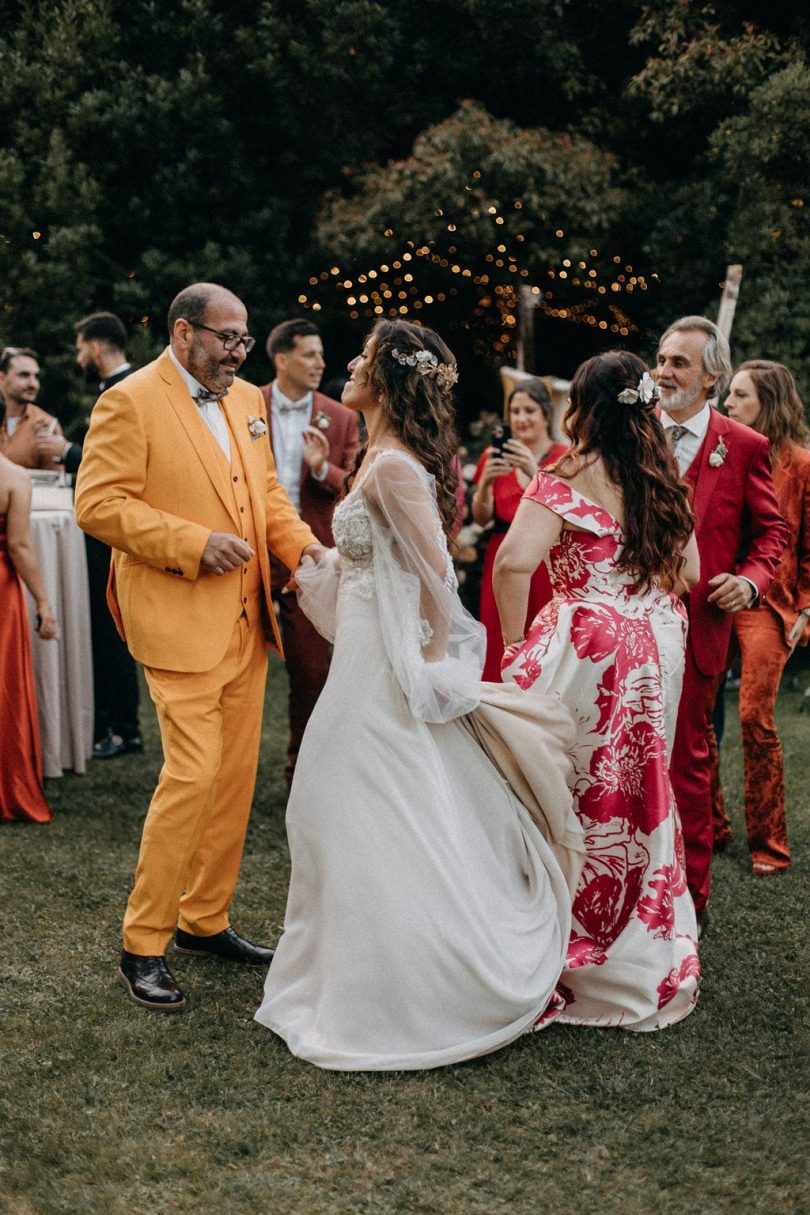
(740, 535)
(314, 441)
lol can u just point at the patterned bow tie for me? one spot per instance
(204, 396)
(294, 406)
(676, 433)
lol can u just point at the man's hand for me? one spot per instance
(316, 449)
(316, 553)
(731, 593)
(795, 635)
(224, 552)
(55, 447)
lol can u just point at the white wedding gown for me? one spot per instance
(428, 915)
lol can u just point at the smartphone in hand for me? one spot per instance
(500, 435)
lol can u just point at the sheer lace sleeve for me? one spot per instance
(318, 590)
(435, 647)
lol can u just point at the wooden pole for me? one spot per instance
(728, 300)
(525, 342)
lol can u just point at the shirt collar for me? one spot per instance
(697, 425)
(278, 398)
(191, 384)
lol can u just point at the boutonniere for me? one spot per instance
(257, 428)
(719, 454)
(322, 420)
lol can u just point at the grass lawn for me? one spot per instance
(108, 1109)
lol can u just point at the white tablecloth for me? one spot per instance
(63, 669)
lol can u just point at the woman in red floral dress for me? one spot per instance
(500, 480)
(615, 524)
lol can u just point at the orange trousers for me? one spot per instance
(191, 847)
(763, 654)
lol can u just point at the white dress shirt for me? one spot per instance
(210, 411)
(689, 444)
(290, 420)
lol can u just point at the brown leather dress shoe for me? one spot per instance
(226, 944)
(150, 983)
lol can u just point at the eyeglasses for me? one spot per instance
(229, 340)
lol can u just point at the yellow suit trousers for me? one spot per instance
(210, 727)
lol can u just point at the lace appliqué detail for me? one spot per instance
(360, 579)
(425, 633)
(352, 532)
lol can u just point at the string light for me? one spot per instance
(495, 306)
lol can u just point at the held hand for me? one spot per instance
(54, 446)
(313, 554)
(224, 552)
(47, 624)
(495, 466)
(795, 635)
(731, 594)
(316, 448)
(518, 455)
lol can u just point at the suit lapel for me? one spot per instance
(706, 477)
(198, 433)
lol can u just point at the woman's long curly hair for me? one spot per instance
(638, 459)
(418, 407)
(781, 417)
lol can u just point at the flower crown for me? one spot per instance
(426, 363)
(644, 391)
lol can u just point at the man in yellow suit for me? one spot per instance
(177, 476)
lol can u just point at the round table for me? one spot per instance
(63, 669)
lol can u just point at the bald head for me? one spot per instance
(192, 303)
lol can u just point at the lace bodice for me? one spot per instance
(351, 528)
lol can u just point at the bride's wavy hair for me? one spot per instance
(418, 405)
(638, 459)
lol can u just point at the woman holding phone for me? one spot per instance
(503, 473)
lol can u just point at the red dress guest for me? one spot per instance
(763, 396)
(21, 795)
(500, 480)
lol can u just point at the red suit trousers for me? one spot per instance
(306, 656)
(763, 654)
(690, 773)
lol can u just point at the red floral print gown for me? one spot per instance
(614, 655)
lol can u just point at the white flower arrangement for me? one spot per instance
(322, 420)
(644, 391)
(257, 427)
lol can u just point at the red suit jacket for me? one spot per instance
(738, 528)
(318, 497)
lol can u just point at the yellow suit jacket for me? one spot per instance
(149, 485)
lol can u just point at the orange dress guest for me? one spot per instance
(763, 396)
(500, 481)
(21, 795)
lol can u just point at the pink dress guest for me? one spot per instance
(614, 655)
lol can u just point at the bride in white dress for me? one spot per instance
(429, 910)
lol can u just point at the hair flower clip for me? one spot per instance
(322, 420)
(644, 391)
(717, 457)
(426, 363)
(257, 428)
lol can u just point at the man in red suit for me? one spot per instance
(740, 535)
(314, 441)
